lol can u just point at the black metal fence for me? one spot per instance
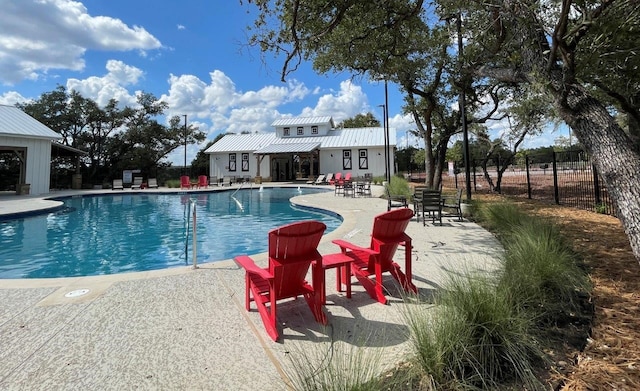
(564, 178)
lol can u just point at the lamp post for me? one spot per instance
(463, 113)
(386, 143)
(185, 144)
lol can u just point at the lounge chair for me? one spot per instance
(213, 181)
(328, 179)
(152, 183)
(117, 185)
(203, 182)
(185, 182)
(137, 183)
(292, 250)
(226, 181)
(388, 233)
(319, 180)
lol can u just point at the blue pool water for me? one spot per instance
(136, 232)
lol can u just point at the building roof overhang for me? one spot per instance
(287, 148)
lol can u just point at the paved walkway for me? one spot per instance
(187, 329)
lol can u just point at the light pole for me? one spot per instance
(463, 113)
(185, 144)
(386, 143)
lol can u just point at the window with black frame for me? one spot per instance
(232, 162)
(363, 161)
(346, 159)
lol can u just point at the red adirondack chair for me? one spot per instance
(185, 182)
(388, 233)
(336, 178)
(347, 177)
(203, 181)
(292, 250)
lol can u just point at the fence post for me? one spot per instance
(473, 170)
(596, 184)
(556, 194)
(526, 163)
(497, 160)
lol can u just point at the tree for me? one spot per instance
(553, 48)
(200, 165)
(360, 121)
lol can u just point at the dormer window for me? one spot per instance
(300, 130)
(286, 132)
(314, 130)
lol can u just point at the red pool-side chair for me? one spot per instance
(203, 182)
(336, 178)
(388, 233)
(185, 182)
(292, 250)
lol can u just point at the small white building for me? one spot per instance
(300, 149)
(31, 141)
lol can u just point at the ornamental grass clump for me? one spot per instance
(336, 366)
(475, 337)
(541, 271)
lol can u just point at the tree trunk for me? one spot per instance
(610, 148)
(612, 153)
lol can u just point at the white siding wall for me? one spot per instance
(219, 165)
(329, 164)
(38, 165)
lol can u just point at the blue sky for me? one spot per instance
(190, 53)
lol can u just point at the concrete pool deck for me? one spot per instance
(187, 329)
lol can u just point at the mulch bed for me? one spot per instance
(611, 357)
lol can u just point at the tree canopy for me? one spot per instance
(116, 138)
(579, 57)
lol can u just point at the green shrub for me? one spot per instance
(399, 186)
(474, 337)
(172, 183)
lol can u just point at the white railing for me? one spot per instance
(191, 215)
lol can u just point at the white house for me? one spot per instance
(31, 141)
(301, 148)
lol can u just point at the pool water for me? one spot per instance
(119, 233)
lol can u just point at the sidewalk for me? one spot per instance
(186, 329)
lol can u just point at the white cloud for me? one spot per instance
(110, 86)
(345, 103)
(38, 36)
(10, 98)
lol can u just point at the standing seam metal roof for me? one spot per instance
(339, 138)
(15, 122)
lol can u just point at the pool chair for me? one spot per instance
(213, 181)
(336, 178)
(226, 181)
(388, 233)
(137, 183)
(152, 183)
(292, 250)
(203, 182)
(117, 185)
(319, 180)
(328, 179)
(185, 182)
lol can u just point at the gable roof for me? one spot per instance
(16, 123)
(336, 139)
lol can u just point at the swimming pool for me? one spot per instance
(109, 234)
